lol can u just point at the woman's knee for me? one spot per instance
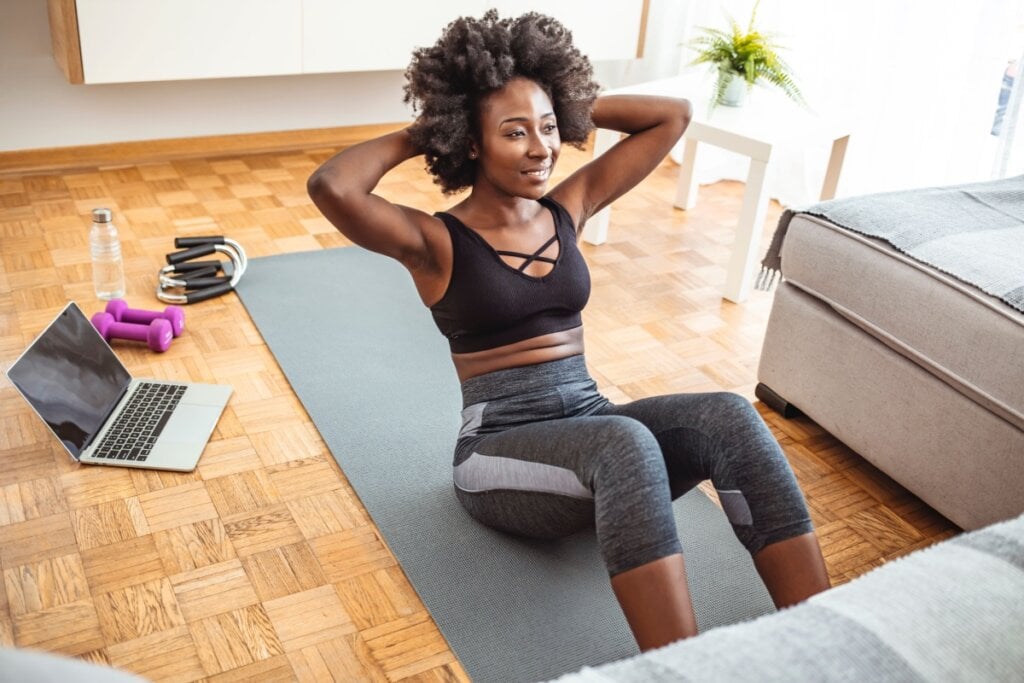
(623, 444)
(732, 410)
(618, 434)
(737, 436)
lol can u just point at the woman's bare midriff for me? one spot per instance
(542, 349)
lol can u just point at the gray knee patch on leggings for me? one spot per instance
(736, 508)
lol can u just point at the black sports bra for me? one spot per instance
(489, 303)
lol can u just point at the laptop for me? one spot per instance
(100, 414)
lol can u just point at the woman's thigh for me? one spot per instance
(524, 480)
(550, 479)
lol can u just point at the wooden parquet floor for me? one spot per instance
(262, 563)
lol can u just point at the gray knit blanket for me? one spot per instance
(951, 612)
(974, 232)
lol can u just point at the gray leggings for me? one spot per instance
(542, 454)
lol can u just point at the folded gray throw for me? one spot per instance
(974, 232)
(951, 612)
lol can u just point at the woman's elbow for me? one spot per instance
(323, 189)
(315, 184)
(322, 186)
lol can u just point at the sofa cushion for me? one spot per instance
(950, 451)
(968, 339)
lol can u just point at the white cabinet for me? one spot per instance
(157, 40)
(601, 30)
(125, 41)
(348, 35)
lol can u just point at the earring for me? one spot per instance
(472, 155)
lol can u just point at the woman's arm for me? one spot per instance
(653, 125)
(342, 188)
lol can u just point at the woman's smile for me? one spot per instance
(539, 173)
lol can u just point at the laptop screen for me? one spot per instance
(71, 378)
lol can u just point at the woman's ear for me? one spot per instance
(474, 150)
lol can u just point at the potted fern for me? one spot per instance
(743, 59)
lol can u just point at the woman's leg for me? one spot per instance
(721, 437)
(793, 570)
(656, 601)
(549, 479)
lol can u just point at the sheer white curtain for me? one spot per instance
(1009, 124)
(917, 82)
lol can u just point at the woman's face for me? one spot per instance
(519, 140)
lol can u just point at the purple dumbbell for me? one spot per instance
(157, 333)
(122, 314)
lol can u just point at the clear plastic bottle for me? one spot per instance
(107, 268)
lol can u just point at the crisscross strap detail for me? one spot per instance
(535, 256)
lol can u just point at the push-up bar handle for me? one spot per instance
(177, 257)
(200, 282)
(208, 293)
(180, 242)
(198, 265)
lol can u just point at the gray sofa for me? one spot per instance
(917, 371)
(899, 328)
(950, 612)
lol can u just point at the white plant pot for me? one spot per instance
(735, 92)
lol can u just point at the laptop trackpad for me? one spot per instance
(191, 423)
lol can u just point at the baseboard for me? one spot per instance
(143, 151)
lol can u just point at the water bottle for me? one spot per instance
(107, 269)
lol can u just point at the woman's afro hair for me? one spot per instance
(474, 57)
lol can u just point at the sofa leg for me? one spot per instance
(776, 402)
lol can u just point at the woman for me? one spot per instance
(541, 453)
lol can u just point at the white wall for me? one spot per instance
(39, 108)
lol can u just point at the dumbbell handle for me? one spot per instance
(122, 313)
(157, 334)
(123, 330)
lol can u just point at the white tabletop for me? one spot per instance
(765, 127)
(767, 115)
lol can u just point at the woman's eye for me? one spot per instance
(550, 128)
(515, 134)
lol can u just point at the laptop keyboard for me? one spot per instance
(133, 434)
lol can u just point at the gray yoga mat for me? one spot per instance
(375, 375)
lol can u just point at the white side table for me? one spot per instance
(764, 122)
